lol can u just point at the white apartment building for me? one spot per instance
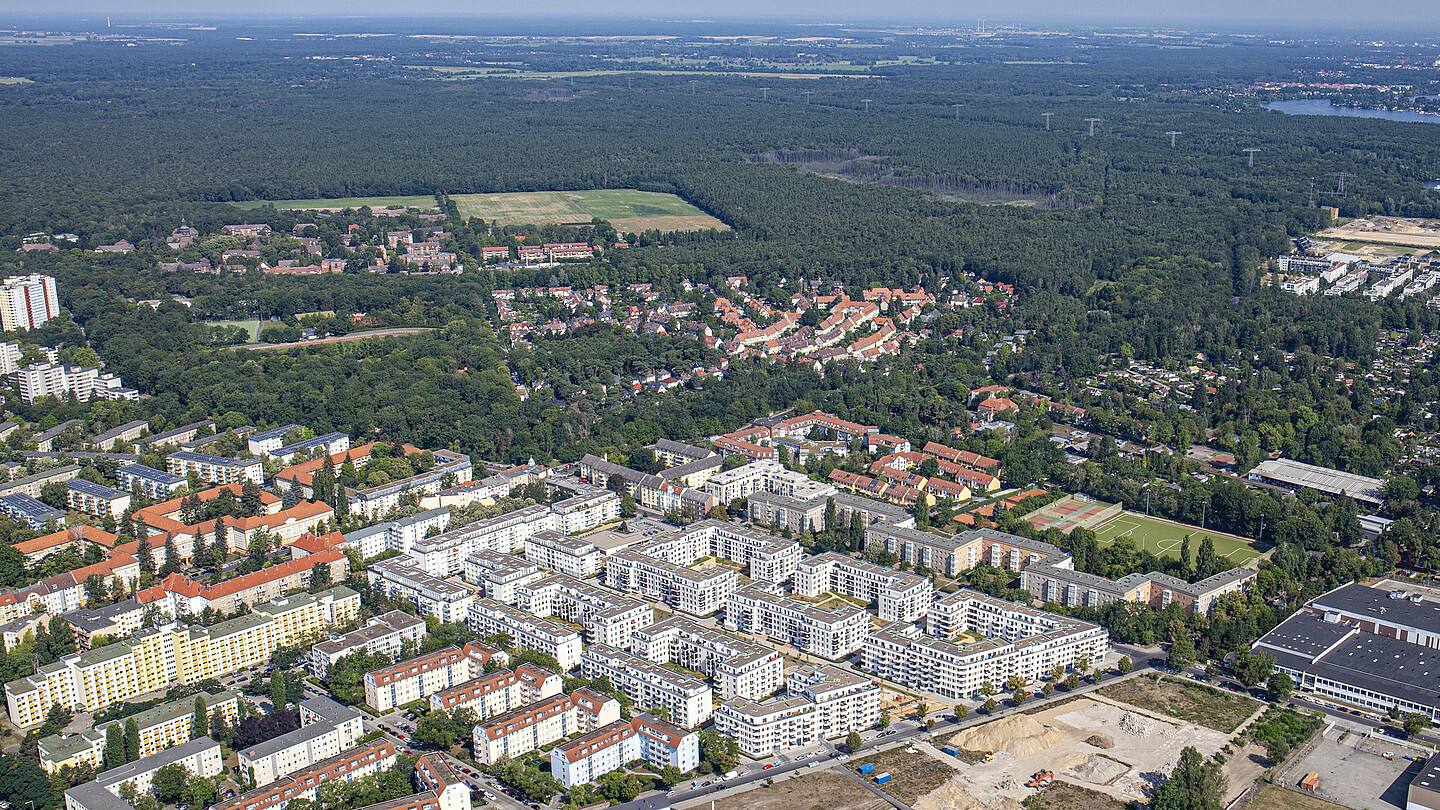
(402, 533)
(499, 692)
(544, 722)
(326, 729)
(821, 702)
(588, 757)
(164, 726)
(739, 669)
(901, 597)
(397, 578)
(26, 302)
(571, 556)
(833, 634)
(766, 475)
(587, 510)
(1027, 643)
(646, 684)
(385, 634)
(488, 617)
(200, 756)
(376, 502)
(94, 499)
(157, 485)
(443, 555)
(57, 380)
(424, 675)
(10, 356)
(215, 469)
(500, 575)
(699, 592)
(266, 442)
(609, 617)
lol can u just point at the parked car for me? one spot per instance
(768, 766)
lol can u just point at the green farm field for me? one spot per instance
(627, 209)
(418, 201)
(1163, 538)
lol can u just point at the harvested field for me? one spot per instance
(1099, 746)
(1212, 708)
(826, 790)
(911, 775)
(628, 210)
(1278, 798)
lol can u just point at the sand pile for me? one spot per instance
(1020, 735)
(1100, 770)
(1100, 741)
(1139, 726)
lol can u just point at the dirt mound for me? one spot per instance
(1100, 741)
(1020, 735)
(1100, 770)
(1139, 725)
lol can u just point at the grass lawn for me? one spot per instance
(911, 775)
(419, 201)
(826, 790)
(253, 326)
(1163, 538)
(627, 209)
(1065, 796)
(1201, 705)
(1271, 797)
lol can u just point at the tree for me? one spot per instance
(144, 555)
(200, 792)
(1181, 654)
(853, 741)
(23, 783)
(720, 752)
(169, 782)
(670, 776)
(1126, 666)
(1415, 723)
(1019, 697)
(220, 728)
(987, 689)
(921, 709)
(961, 712)
(132, 740)
(1072, 681)
(200, 723)
(991, 705)
(277, 689)
(319, 577)
(1194, 785)
(114, 746)
(884, 718)
(1276, 751)
(1280, 685)
(1015, 682)
(627, 505)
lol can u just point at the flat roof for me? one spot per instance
(1384, 666)
(92, 488)
(1378, 605)
(1321, 479)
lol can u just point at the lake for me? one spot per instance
(1322, 106)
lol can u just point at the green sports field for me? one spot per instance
(422, 201)
(626, 209)
(1163, 538)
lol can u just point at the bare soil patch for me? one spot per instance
(827, 790)
(1202, 705)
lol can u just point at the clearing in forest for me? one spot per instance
(628, 210)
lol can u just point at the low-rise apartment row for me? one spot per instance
(443, 555)
(151, 659)
(590, 756)
(820, 703)
(1018, 640)
(399, 578)
(424, 675)
(385, 635)
(500, 575)
(326, 729)
(364, 760)
(499, 692)
(542, 723)
(162, 727)
(200, 757)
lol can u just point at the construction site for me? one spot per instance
(1112, 748)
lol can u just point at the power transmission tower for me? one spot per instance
(1172, 133)
(957, 110)
(1047, 120)
(764, 94)
(1093, 122)
(1251, 152)
(808, 94)
(1339, 183)
(867, 103)
(1312, 192)
(692, 86)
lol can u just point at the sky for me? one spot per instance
(1306, 14)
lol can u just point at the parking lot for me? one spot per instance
(1355, 772)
